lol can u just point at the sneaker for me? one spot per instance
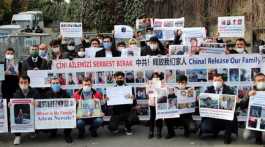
(17, 140)
(128, 132)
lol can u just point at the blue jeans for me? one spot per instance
(94, 123)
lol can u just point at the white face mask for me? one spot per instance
(24, 87)
(71, 48)
(260, 85)
(9, 57)
(217, 85)
(81, 53)
(120, 49)
(240, 50)
(153, 46)
(86, 89)
(56, 50)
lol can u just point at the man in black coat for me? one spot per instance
(212, 125)
(108, 49)
(24, 91)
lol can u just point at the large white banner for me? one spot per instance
(256, 112)
(220, 106)
(71, 29)
(231, 26)
(22, 115)
(55, 113)
(3, 116)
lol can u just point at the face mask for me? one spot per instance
(240, 50)
(34, 53)
(70, 48)
(42, 53)
(120, 82)
(153, 46)
(24, 87)
(81, 54)
(260, 85)
(56, 87)
(56, 50)
(9, 57)
(120, 49)
(217, 85)
(86, 89)
(107, 45)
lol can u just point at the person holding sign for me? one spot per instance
(154, 47)
(88, 108)
(259, 85)
(152, 87)
(122, 112)
(240, 47)
(109, 49)
(212, 125)
(184, 120)
(55, 91)
(24, 91)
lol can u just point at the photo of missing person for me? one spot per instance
(170, 76)
(162, 96)
(109, 77)
(255, 111)
(143, 109)
(226, 102)
(172, 103)
(221, 71)
(234, 75)
(129, 76)
(252, 122)
(242, 91)
(245, 75)
(100, 77)
(197, 75)
(141, 93)
(62, 78)
(209, 102)
(70, 79)
(90, 75)
(48, 80)
(139, 77)
(22, 113)
(80, 76)
(254, 71)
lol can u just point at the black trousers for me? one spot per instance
(184, 121)
(129, 118)
(67, 132)
(153, 121)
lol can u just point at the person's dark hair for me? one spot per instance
(24, 77)
(10, 49)
(108, 38)
(55, 42)
(119, 73)
(160, 45)
(121, 43)
(86, 79)
(218, 75)
(259, 74)
(193, 39)
(159, 75)
(181, 78)
(149, 29)
(95, 39)
(243, 40)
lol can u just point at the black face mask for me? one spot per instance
(120, 82)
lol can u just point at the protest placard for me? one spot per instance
(21, 115)
(197, 34)
(91, 52)
(71, 29)
(2, 72)
(3, 116)
(88, 108)
(123, 31)
(55, 113)
(219, 106)
(256, 112)
(142, 24)
(120, 95)
(231, 26)
(185, 100)
(212, 48)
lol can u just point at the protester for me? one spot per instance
(81, 53)
(55, 91)
(43, 51)
(34, 61)
(185, 120)
(122, 113)
(70, 52)
(259, 85)
(178, 37)
(57, 51)
(10, 84)
(109, 49)
(153, 48)
(240, 47)
(24, 91)
(212, 125)
(86, 93)
(152, 89)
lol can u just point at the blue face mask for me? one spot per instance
(107, 45)
(56, 87)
